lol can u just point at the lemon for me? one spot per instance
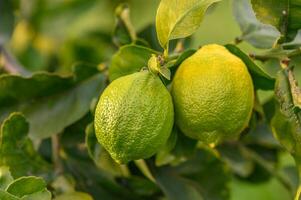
(213, 95)
(134, 117)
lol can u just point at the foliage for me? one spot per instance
(56, 58)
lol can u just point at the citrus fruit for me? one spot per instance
(134, 117)
(213, 95)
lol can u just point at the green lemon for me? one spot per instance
(134, 117)
(213, 95)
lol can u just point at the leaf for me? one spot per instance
(129, 59)
(99, 155)
(286, 124)
(124, 32)
(74, 196)
(6, 196)
(256, 33)
(261, 79)
(271, 12)
(177, 188)
(7, 20)
(49, 102)
(236, 159)
(163, 156)
(179, 19)
(64, 187)
(294, 43)
(193, 179)
(178, 149)
(16, 149)
(26, 186)
(149, 34)
(5, 177)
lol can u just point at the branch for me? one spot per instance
(276, 55)
(282, 178)
(10, 63)
(56, 147)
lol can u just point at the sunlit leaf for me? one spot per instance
(179, 19)
(283, 14)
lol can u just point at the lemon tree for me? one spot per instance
(153, 99)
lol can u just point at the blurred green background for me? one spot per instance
(52, 35)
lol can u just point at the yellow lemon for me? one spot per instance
(213, 95)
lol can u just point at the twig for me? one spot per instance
(267, 166)
(11, 65)
(280, 55)
(56, 147)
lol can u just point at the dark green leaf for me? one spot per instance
(129, 59)
(283, 14)
(164, 156)
(124, 32)
(177, 188)
(99, 155)
(261, 79)
(294, 43)
(258, 34)
(236, 159)
(193, 179)
(149, 34)
(45, 100)
(7, 20)
(74, 196)
(16, 149)
(178, 149)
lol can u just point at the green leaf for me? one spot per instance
(6, 196)
(124, 32)
(178, 149)
(16, 149)
(5, 177)
(26, 186)
(99, 155)
(49, 102)
(179, 19)
(7, 20)
(261, 79)
(272, 12)
(193, 179)
(294, 43)
(163, 156)
(286, 122)
(177, 188)
(256, 33)
(129, 59)
(74, 196)
(236, 159)
(204, 165)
